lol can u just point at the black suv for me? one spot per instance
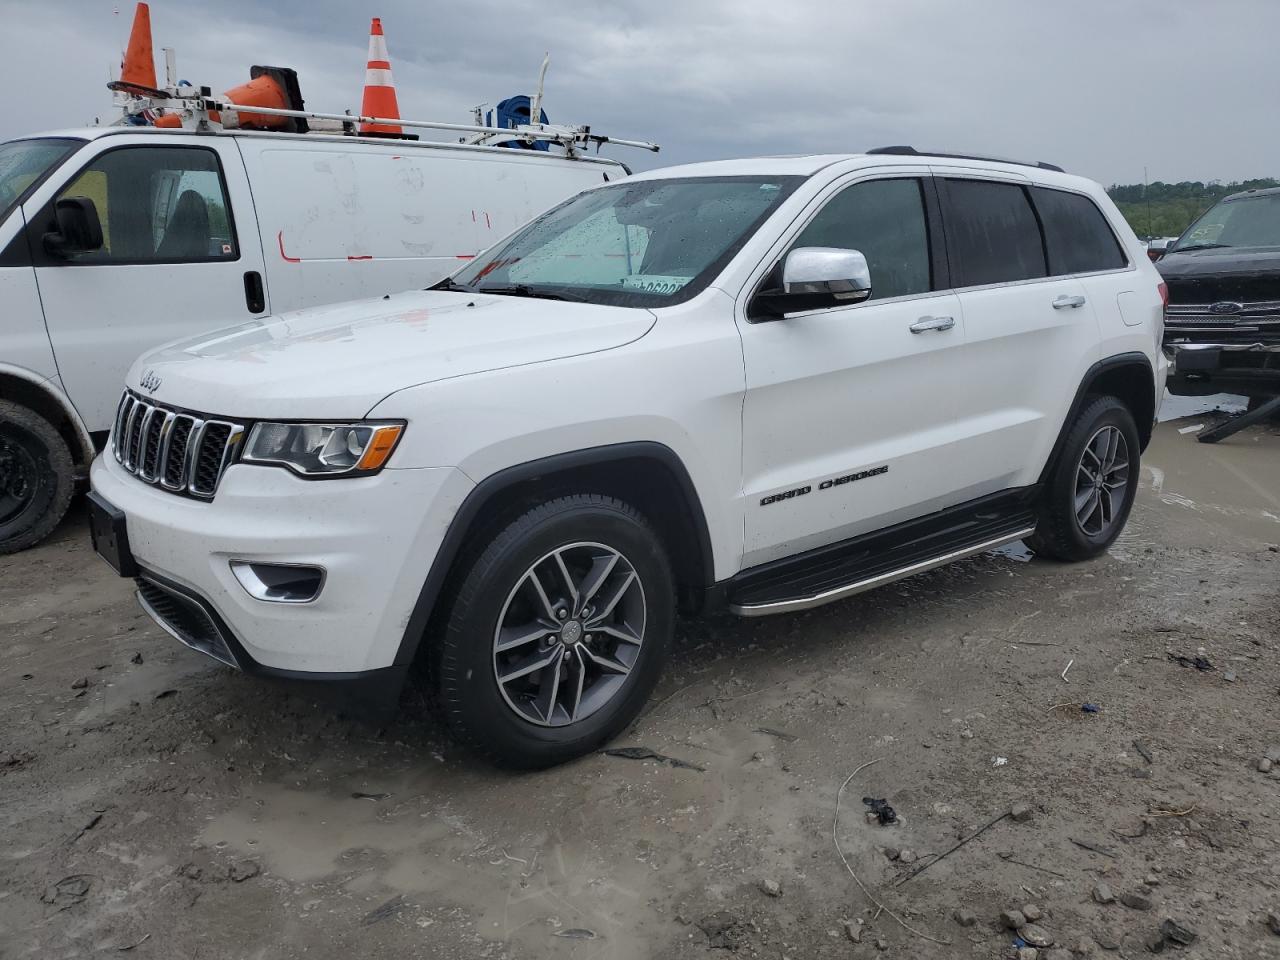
(1223, 327)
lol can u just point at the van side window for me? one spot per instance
(157, 205)
(1076, 233)
(992, 233)
(885, 221)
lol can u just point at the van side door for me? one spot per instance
(180, 254)
(1027, 332)
(847, 419)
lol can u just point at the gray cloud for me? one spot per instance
(1103, 88)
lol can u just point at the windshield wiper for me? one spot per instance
(1200, 246)
(448, 283)
(524, 290)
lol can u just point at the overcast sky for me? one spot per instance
(1102, 87)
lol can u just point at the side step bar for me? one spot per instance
(871, 560)
(765, 608)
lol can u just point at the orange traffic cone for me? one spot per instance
(379, 88)
(139, 66)
(274, 87)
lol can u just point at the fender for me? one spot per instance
(52, 391)
(504, 479)
(1091, 377)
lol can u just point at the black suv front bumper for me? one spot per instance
(1200, 368)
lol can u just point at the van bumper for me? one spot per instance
(374, 538)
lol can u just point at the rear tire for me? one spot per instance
(582, 588)
(1088, 496)
(37, 478)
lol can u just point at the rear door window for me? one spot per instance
(992, 233)
(1077, 236)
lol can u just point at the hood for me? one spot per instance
(1233, 274)
(339, 361)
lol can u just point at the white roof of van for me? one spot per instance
(319, 136)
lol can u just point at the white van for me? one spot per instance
(116, 239)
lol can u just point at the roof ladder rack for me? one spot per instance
(905, 151)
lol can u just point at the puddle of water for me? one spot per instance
(1176, 408)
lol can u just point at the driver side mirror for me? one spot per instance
(78, 228)
(817, 277)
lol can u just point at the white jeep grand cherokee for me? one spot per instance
(765, 384)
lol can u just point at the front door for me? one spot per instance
(848, 411)
(180, 255)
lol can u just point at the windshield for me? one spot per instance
(24, 163)
(1247, 222)
(641, 243)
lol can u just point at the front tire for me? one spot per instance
(37, 478)
(558, 633)
(1090, 492)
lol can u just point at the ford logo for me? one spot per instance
(1224, 307)
(150, 382)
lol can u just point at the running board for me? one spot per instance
(833, 573)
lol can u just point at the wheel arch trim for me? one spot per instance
(49, 387)
(1091, 376)
(487, 489)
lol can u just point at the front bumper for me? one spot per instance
(1251, 367)
(375, 537)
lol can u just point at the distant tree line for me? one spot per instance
(1166, 209)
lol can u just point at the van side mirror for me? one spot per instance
(817, 277)
(78, 228)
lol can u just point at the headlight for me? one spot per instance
(323, 449)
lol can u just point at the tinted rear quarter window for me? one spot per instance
(1076, 234)
(992, 232)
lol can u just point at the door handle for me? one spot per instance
(1061, 303)
(933, 323)
(254, 297)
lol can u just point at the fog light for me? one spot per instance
(279, 582)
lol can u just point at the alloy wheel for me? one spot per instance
(569, 634)
(1102, 481)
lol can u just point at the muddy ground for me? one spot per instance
(154, 802)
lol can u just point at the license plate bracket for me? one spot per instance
(110, 535)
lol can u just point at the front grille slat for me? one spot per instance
(175, 450)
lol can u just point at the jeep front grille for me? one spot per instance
(177, 451)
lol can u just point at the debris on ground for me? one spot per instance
(243, 870)
(780, 734)
(1136, 901)
(1102, 893)
(770, 887)
(965, 918)
(576, 933)
(1273, 922)
(357, 795)
(1022, 812)
(136, 658)
(1035, 936)
(907, 856)
(644, 753)
(724, 930)
(1032, 912)
(68, 891)
(1090, 708)
(999, 761)
(853, 930)
(1265, 765)
(1144, 751)
(80, 684)
(885, 814)
(1012, 919)
(1093, 847)
(1174, 932)
(92, 822)
(14, 760)
(383, 912)
(1200, 663)
(133, 946)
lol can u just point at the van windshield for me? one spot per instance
(636, 243)
(25, 163)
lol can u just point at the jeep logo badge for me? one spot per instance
(150, 382)
(1225, 307)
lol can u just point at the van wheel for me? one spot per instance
(1088, 496)
(558, 633)
(37, 478)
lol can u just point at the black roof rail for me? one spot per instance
(905, 151)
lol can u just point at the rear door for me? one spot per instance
(180, 255)
(1025, 332)
(847, 420)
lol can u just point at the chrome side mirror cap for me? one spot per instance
(841, 274)
(813, 278)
